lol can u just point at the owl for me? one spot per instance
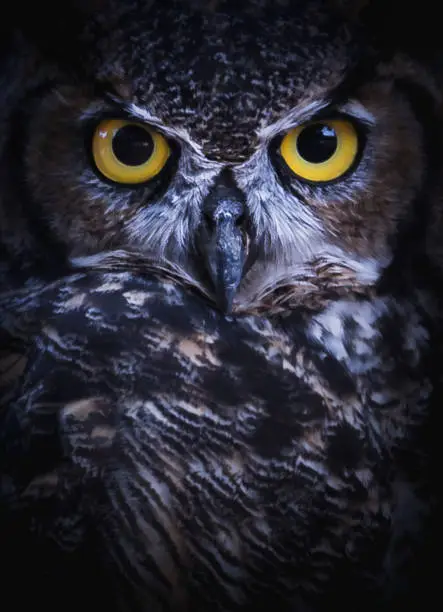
(220, 307)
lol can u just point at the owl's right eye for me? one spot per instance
(129, 152)
(321, 151)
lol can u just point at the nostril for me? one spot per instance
(226, 211)
(230, 207)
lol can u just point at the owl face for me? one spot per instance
(258, 149)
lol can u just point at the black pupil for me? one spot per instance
(132, 145)
(317, 143)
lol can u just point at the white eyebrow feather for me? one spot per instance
(142, 113)
(359, 111)
(304, 112)
(299, 114)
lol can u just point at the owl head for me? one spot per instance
(274, 152)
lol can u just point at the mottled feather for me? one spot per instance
(223, 462)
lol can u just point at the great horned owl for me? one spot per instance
(219, 243)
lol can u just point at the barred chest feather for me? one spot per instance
(222, 463)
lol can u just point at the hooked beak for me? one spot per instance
(225, 243)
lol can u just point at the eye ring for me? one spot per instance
(333, 146)
(146, 146)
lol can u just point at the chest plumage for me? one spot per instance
(223, 462)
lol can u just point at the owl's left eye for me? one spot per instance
(129, 152)
(321, 151)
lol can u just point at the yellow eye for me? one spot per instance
(320, 151)
(128, 152)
